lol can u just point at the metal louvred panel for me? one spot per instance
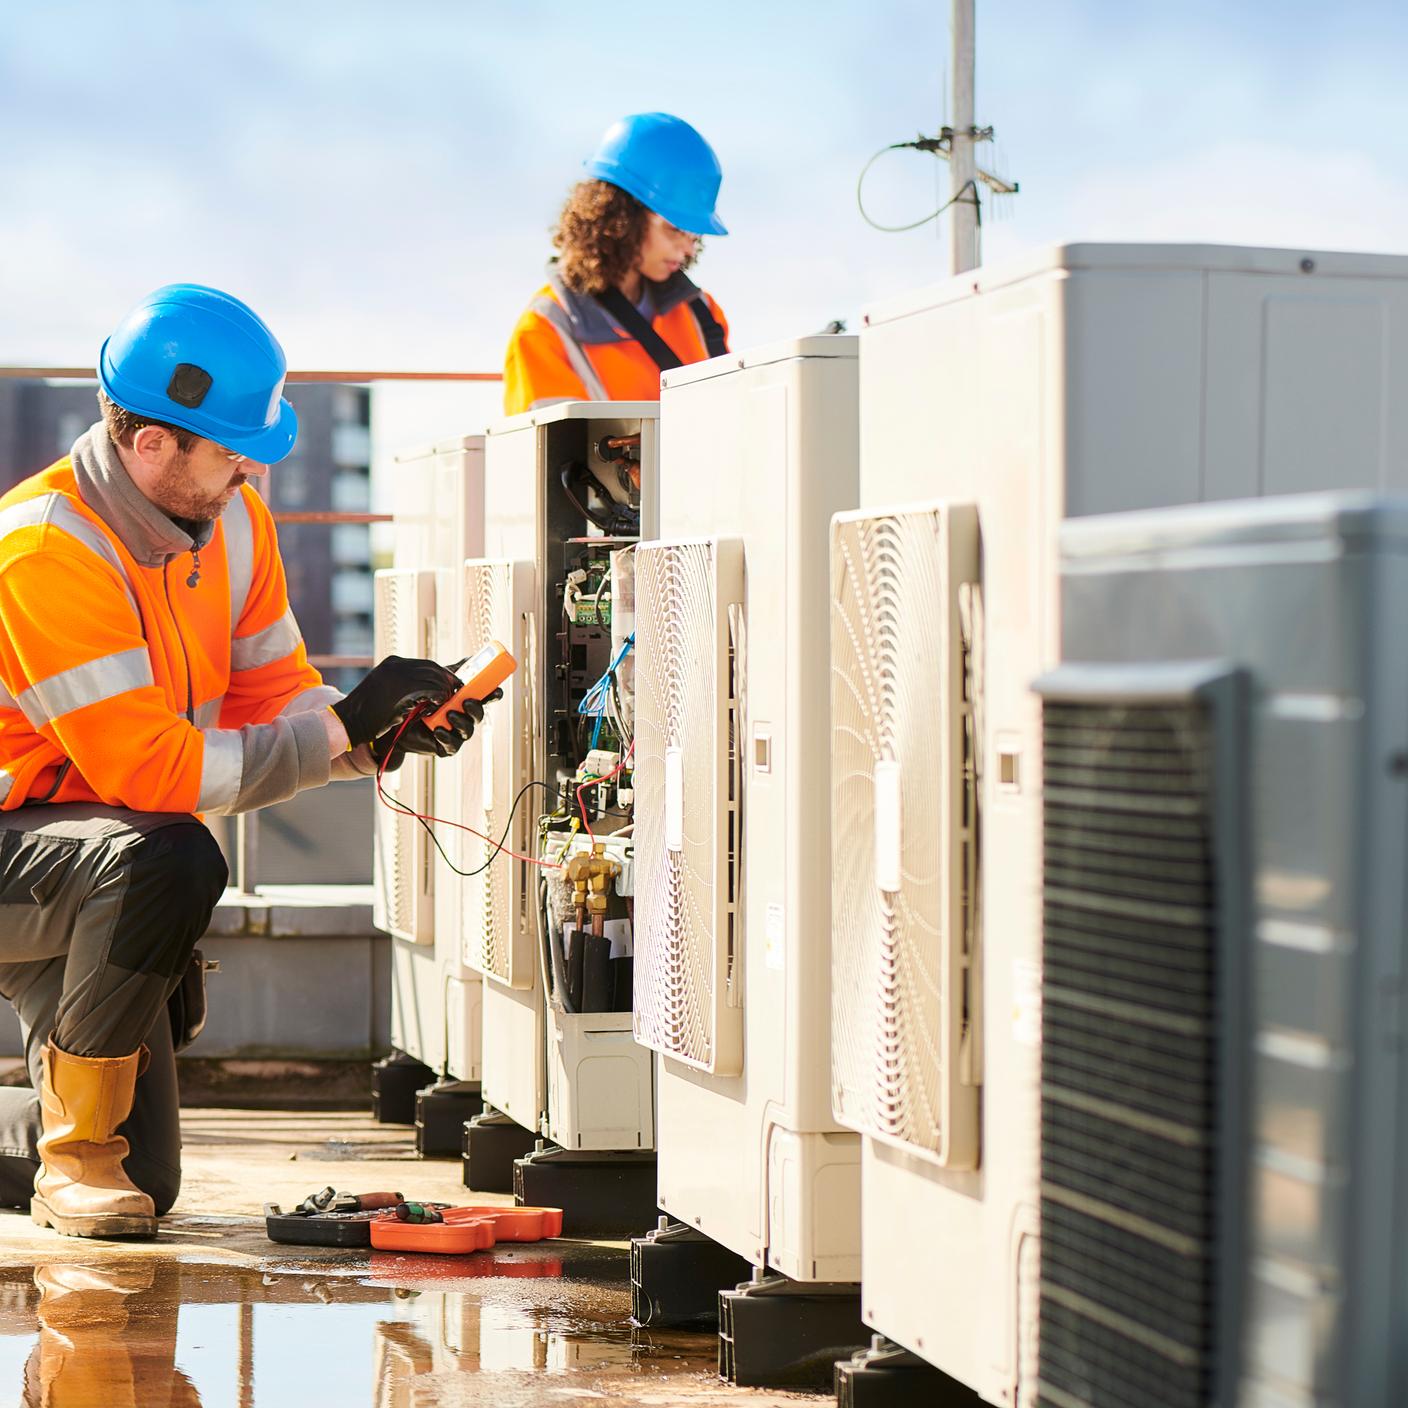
(904, 829)
(497, 938)
(403, 898)
(1134, 1164)
(687, 781)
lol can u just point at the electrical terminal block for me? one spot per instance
(587, 593)
(592, 611)
(600, 761)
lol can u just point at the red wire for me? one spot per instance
(595, 781)
(401, 809)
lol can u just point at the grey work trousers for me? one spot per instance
(100, 909)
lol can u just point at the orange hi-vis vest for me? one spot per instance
(142, 667)
(567, 347)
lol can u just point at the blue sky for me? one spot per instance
(378, 179)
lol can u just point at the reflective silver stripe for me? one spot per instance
(208, 714)
(55, 509)
(6, 783)
(86, 684)
(222, 769)
(550, 309)
(319, 697)
(7, 701)
(266, 646)
(239, 556)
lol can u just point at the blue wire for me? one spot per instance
(594, 700)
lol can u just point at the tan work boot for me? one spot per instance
(81, 1189)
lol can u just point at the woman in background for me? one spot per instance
(618, 307)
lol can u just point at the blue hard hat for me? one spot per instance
(198, 358)
(666, 165)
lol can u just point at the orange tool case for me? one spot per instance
(467, 1229)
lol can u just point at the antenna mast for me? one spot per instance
(962, 157)
(957, 146)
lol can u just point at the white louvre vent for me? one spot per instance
(687, 802)
(904, 830)
(498, 933)
(404, 624)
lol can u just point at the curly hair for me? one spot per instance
(598, 236)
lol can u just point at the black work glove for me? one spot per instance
(419, 737)
(389, 692)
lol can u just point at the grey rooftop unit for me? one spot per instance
(1225, 825)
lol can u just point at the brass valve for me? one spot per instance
(591, 877)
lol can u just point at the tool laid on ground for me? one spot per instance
(418, 1212)
(393, 1223)
(329, 1200)
(515, 1224)
(328, 1219)
(449, 1235)
(459, 1230)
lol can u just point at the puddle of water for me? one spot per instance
(338, 1150)
(534, 1325)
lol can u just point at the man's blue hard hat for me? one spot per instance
(666, 165)
(198, 358)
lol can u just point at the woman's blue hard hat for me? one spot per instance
(200, 359)
(666, 165)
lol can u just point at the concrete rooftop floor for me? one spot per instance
(214, 1314)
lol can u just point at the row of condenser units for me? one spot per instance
(1003, 901)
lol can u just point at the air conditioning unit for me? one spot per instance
(543, 1065)
(1222, 1162)
(1082, 379)
(404, 624)
(436, 998)
(732, 833)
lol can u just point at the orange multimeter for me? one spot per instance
(482, 674)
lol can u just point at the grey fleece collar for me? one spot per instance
(106, 487)
(591, 323)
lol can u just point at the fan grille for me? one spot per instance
(488, 587)
(1129, 1057)
(899, 701)
(401, 861)
(685, 896)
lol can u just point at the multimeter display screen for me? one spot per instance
(480, 660)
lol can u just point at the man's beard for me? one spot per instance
(177, 497)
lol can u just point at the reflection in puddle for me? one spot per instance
(402, 1332)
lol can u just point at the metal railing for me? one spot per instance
(246, 868)
(31, 373)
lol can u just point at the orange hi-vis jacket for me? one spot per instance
(567, 347)
(143, 667)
